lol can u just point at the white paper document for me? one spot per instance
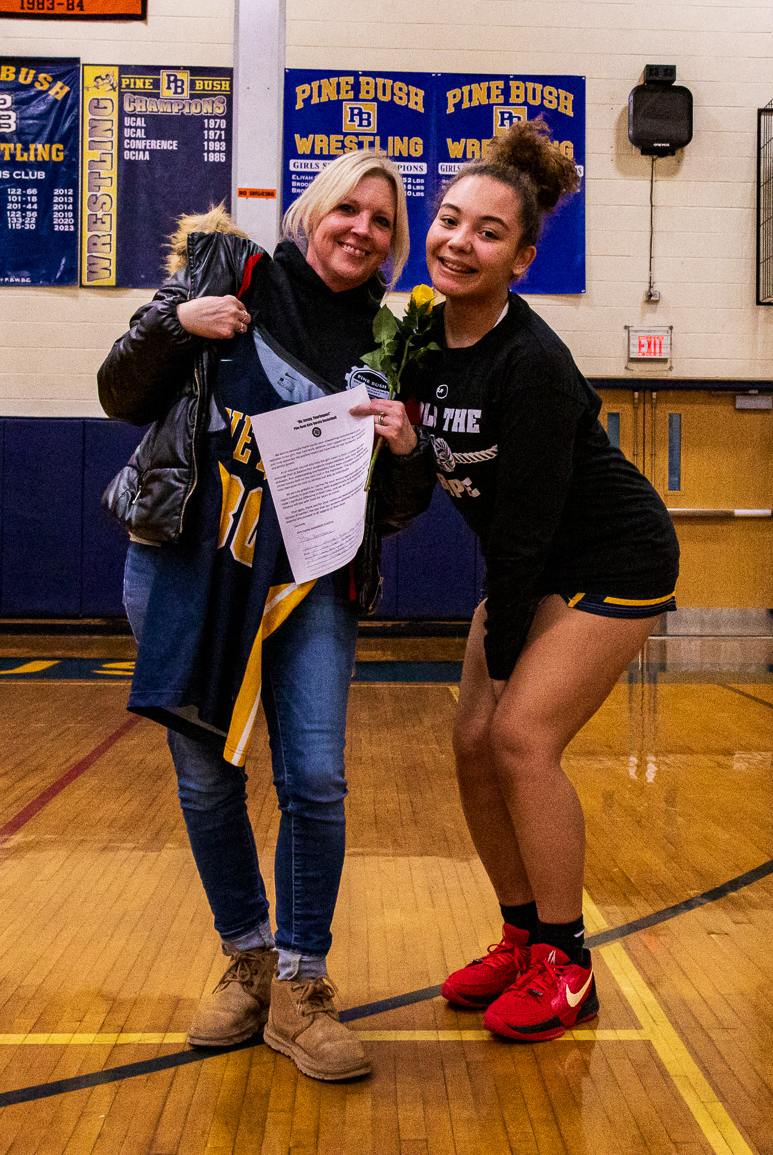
(316, 458)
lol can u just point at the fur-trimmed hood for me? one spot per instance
(217, 220)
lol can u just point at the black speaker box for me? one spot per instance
(660, 118)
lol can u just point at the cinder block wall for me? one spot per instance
(54, 339)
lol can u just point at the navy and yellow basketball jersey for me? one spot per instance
(227, 584)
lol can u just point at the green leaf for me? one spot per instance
(374, 360)
(384, 324)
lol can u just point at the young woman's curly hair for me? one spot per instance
(527, 159)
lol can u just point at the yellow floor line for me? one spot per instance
(710, 1115)
(91, 1039)
(655, 1028)
(158, 1038)
(29, 668)
(454, 692)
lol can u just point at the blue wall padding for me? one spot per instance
(387, 607)
(62, 556)
(41, 517)
(108, 445)
(2, 444)
(436, 564)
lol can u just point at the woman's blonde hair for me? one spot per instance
(336, 181)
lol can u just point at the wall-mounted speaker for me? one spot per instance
(660, 112)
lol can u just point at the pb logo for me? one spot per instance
(506, 116)
(359, 117)
(175, 84)
(7, 115)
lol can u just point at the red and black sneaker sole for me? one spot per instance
(475, 1002)
(552, 1028)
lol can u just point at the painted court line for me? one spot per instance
(29, 668)
(14, 825)
(175, 1038)
(654, 1028)
(702, 1102)
(751, 697)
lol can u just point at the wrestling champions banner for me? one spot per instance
(431, 124)
(39, 114)
(156, 144)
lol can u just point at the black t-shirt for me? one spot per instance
(521, 452)
(325, 330)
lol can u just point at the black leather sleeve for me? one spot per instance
(405, 483)
(147, 367)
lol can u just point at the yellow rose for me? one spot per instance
(423, 295)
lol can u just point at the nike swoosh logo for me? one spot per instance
(574, 999)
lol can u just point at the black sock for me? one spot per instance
(523, 917)
(567, 936)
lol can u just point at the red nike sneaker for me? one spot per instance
(552, 995)
(484, 979)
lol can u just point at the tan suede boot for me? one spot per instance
(238, 1006)
(303, 1023)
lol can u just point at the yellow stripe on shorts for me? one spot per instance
(636, 601)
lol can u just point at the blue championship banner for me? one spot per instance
(156, 144)
(39, 124)
(473, 109)
(431, 124)
(327, 114)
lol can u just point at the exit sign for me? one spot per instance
(649, 344)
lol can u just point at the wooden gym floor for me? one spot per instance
(106, 941)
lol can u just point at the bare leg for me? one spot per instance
(569, 665)
(484, 804)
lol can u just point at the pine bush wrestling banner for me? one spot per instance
(39, 191)
(328, 114)
(73, 9)
(156, 144)
(431, 124)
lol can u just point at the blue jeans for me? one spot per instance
(307, 667)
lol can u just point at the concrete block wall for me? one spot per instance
(704, 251)
(53, 340)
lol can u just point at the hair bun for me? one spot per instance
(528, 146)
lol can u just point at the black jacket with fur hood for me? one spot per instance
(158, 372)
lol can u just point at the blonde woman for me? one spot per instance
(234, 332)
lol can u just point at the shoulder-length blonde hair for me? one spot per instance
(336, 181)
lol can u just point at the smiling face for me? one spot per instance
(352, 240)
(474, 243)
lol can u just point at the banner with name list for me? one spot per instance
(39, 191)
(326, 115)
(430, 124)
(156, 144)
